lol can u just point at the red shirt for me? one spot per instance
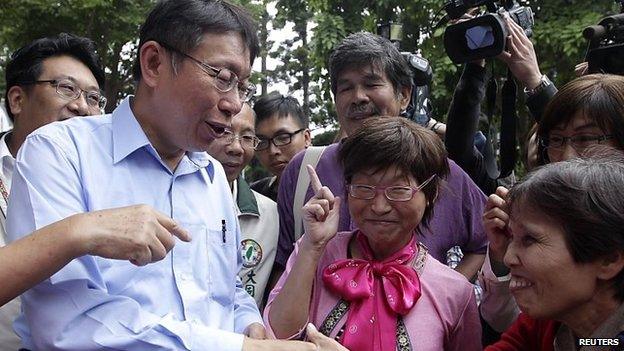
(527, 334)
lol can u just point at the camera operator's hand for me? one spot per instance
(520, 56)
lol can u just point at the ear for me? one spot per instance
(405, 94)
(17, 98)
(610, 266)
(308, 138)
(153, 60)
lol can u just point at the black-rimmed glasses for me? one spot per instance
(224, 80)
(278, 140)
(578, 142)
(392, 193)
(69, 90)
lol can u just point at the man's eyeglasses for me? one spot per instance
(67, 89)
(579, 142)
(392, 193)
(246, 141)
(224, 80)
(278, 140)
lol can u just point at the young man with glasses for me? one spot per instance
(257, 214)
(151, 150)
(282, 128)
(48, 80)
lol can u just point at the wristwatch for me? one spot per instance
(544, 82)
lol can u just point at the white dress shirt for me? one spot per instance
(191, 300)
(8, 339)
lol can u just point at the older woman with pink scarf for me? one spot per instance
(376, 287)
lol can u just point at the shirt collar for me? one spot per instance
(4, 148)
(128, 136)
(201, 159)
(245, 199)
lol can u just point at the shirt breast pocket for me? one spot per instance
(223, 266)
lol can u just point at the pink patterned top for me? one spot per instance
(444, 318)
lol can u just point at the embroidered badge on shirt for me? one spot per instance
(251, 252)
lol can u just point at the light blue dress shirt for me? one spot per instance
(191, 300)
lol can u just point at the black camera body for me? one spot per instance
(486, 35)
(421, 69)
(422, 73)
(457, 8)
(605, 53)
(418, 109)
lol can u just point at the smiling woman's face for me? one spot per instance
(388, 225)
(546, 282)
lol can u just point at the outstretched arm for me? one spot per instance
(463, 122)
(136, 233)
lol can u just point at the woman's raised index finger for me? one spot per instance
(314, 179)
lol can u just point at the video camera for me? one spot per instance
(485, 35)
(605, 53)
(423, 74)
(417, 110)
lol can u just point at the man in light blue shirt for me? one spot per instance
(192, 76)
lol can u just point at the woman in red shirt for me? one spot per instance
(564, 247)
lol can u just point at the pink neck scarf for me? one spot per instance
(377, 291)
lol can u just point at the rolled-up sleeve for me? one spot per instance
(498, 308)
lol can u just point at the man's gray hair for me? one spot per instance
(362, 48)
(181, 24)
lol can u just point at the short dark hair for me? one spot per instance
(383, 142)
(182, 24)
(599, 96)
(362, 48)
(26, 63)
(586, 198)
(284, 106)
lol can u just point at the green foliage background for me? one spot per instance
(318, 26)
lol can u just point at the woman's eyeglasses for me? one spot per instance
(578, 142)
(392, 193)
